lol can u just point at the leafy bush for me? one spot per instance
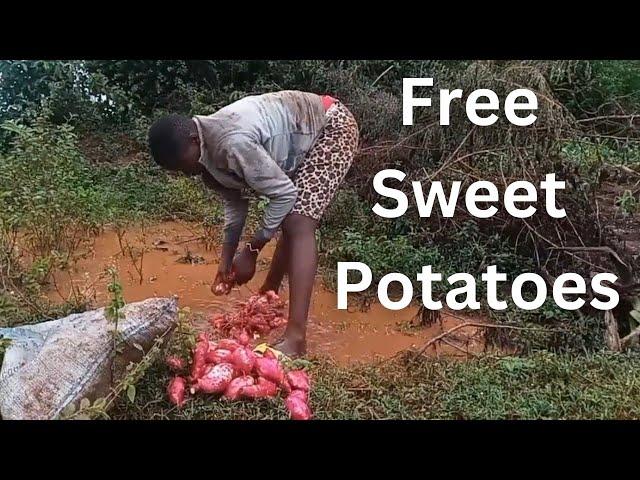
(628, 203)
(45, 188)
(385, 254)
(62, 92)
(619, 79)
(52, 199)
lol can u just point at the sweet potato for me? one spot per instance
(221, 289)
(234, 389)
(277, 322)
(243, 359)
(218, 321)
(270, 354)
(272, 296)
(243, 338)
(270, 369)
(299, 380)
(176, 391)
(270, 389)
(258, 321)
(216, 378)
(298, 409)
(260, 314)
(285, 386)
(263, 389)
(219, 355)
(175, 364)
(253, 392)
(202, 337)
(301, 394)
(262, 328)
(199, 358)
(228, 344)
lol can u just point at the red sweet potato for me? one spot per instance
(221, 288)
(257, 302)
(199, 358)
(216, 378)
(228, 344)
(270, 389)
(263, 389)
(243, 359)
(299, 380)
(234, 389)
(176, 391)
(285, 386)
(262, 328)
(219, 321)
(260, 314)
(258, 322)
(175, 364)
(219, 355)
(253, 391)
(243, 338)
(298, 409)
(270, 369)
(272, 296)
(301, 394)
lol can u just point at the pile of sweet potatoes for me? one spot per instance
(258, 316)
(230, 369)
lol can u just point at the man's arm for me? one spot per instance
(235, 213)
(250, 161)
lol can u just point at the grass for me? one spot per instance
(540, 386)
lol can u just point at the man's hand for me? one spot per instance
(244, 266)
(223, 283)
(224, 280)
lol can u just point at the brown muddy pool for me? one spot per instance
(171, 258)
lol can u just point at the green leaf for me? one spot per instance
(100, 403)
(139, 347)
(131, 393)
(68, 410)
(300, 363)
(84, 403)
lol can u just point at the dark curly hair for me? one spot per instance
(168, 137)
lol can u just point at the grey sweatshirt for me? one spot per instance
(258, 143)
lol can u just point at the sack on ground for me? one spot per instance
(50, 365)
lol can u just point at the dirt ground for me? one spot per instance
(171, 258)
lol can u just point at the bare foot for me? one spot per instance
(291, 348)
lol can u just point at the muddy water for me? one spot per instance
(171, 259)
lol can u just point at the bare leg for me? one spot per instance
(303, 262)
(279, 266)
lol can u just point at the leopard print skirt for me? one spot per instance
(327, 163)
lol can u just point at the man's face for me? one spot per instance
(189, 160)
